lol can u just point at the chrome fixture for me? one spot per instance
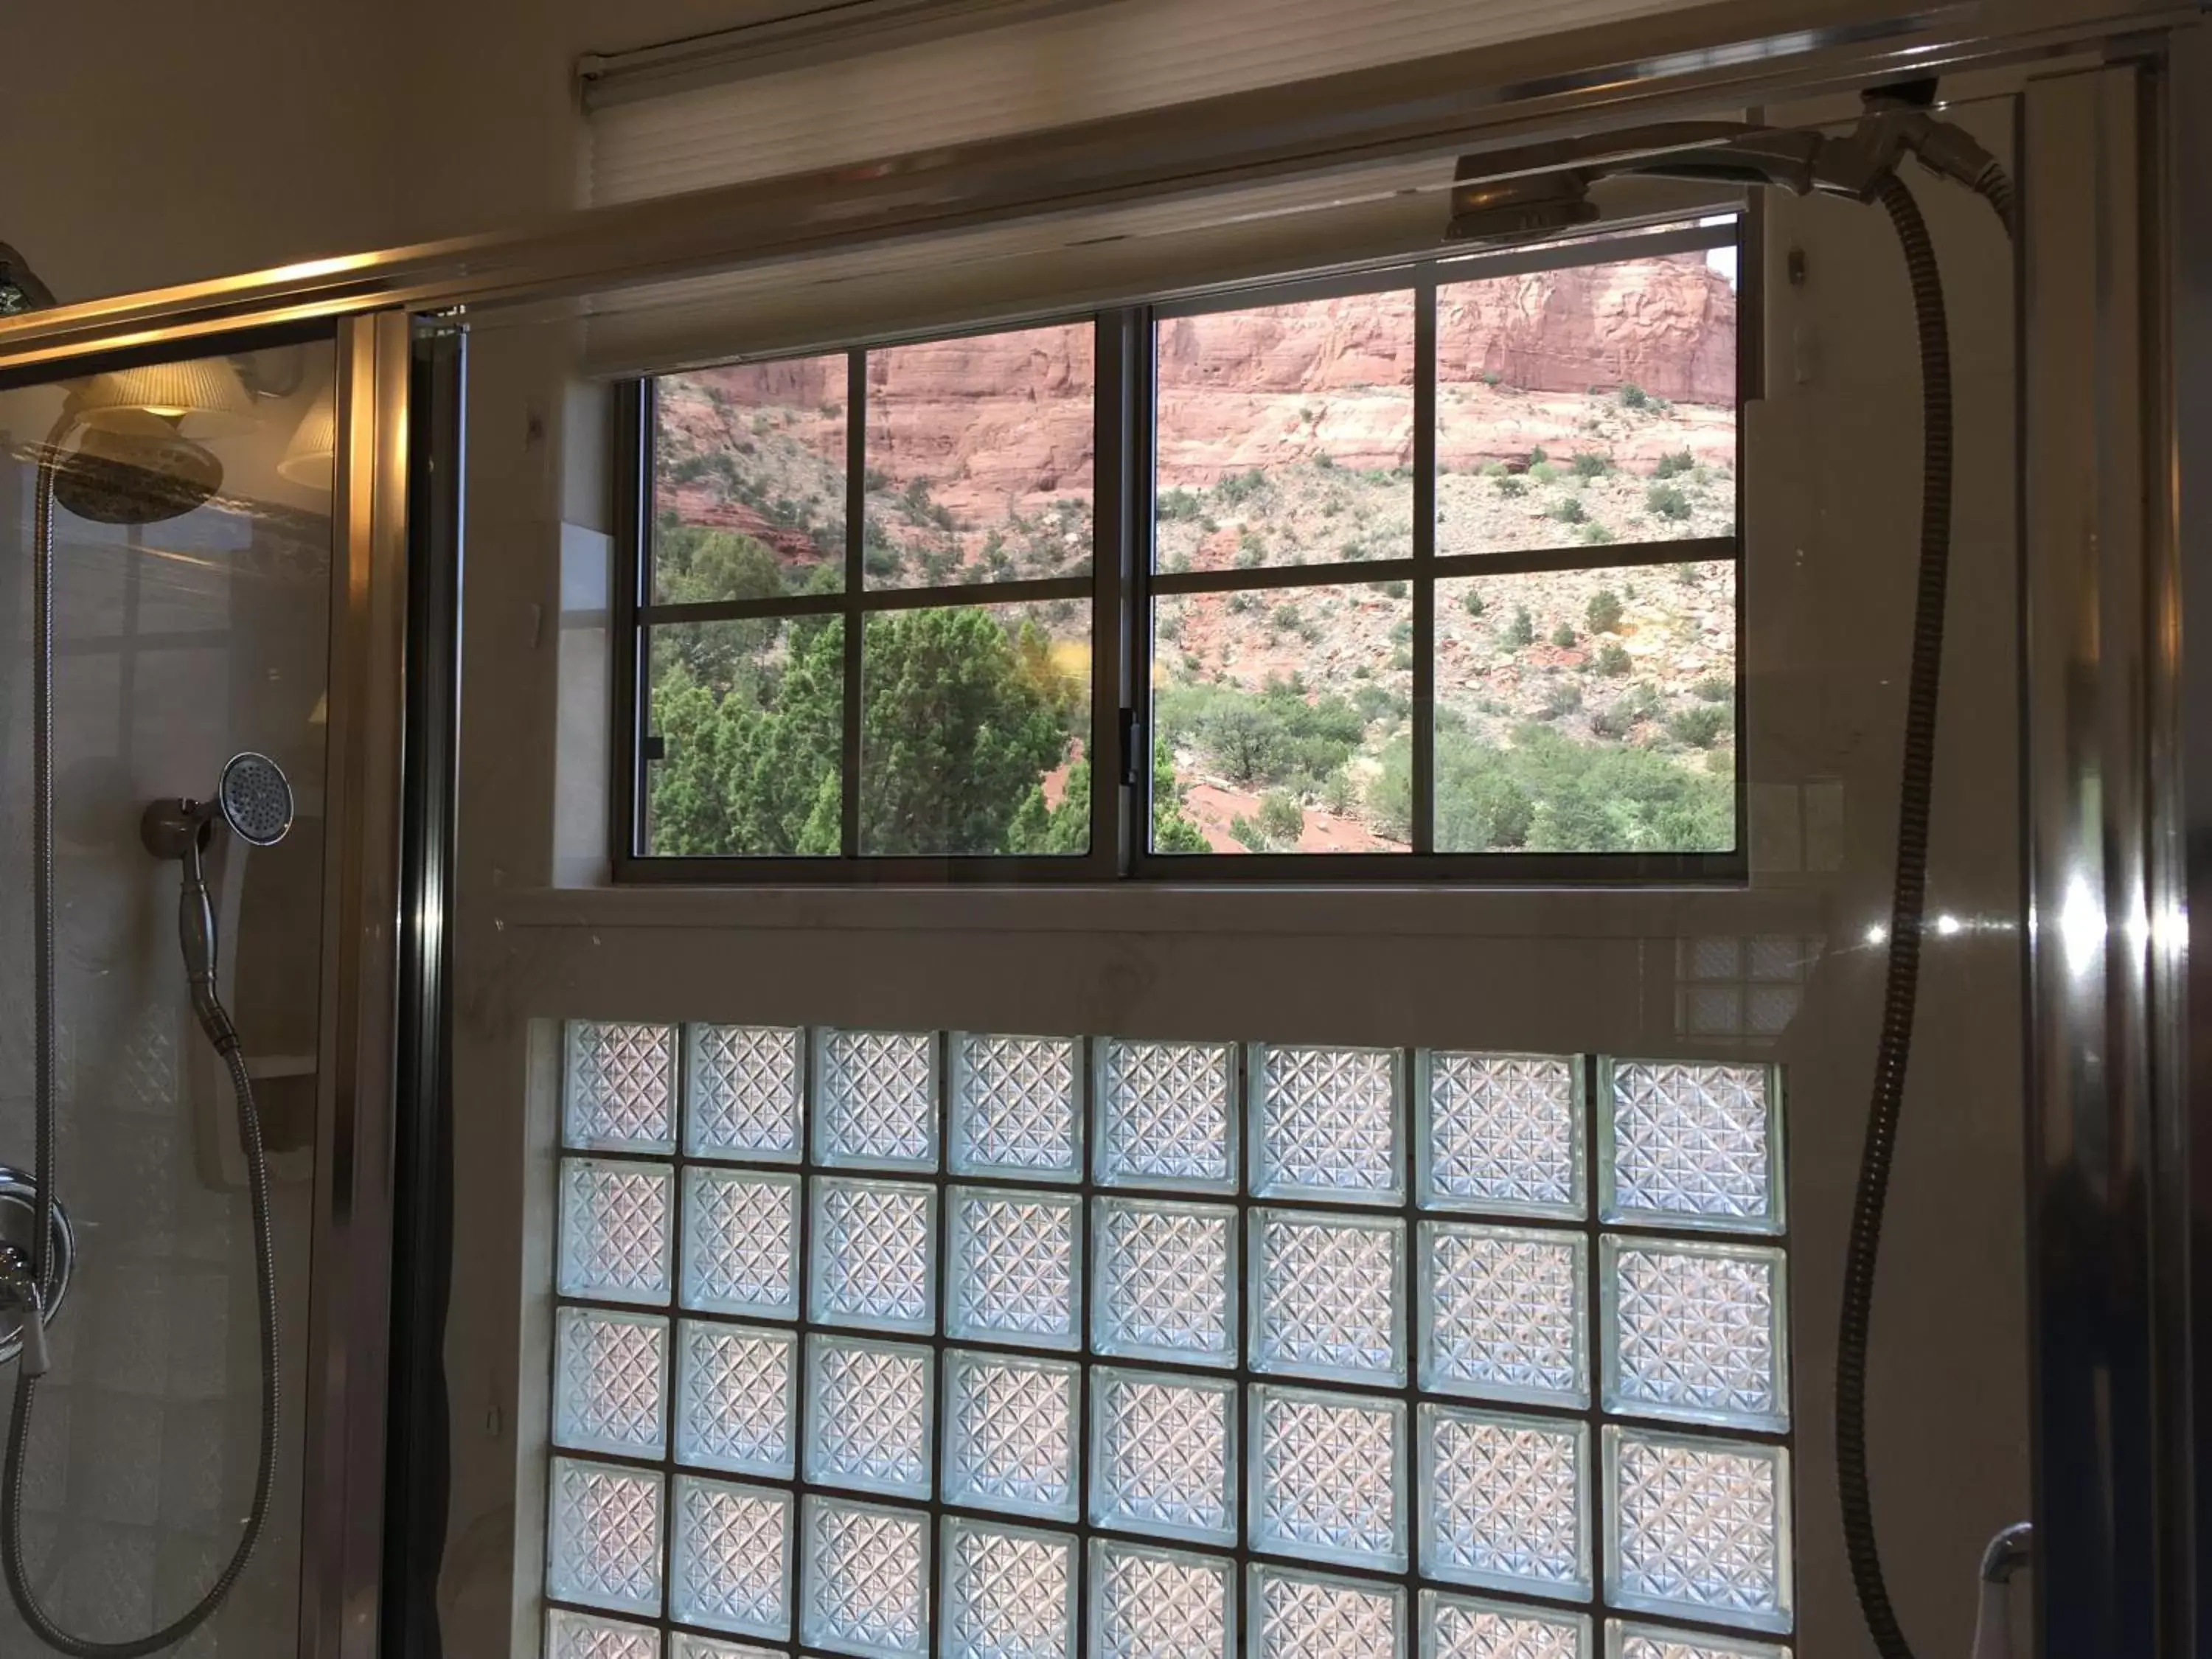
(20, 290)
(24, 1300)
(1540, 190)
(2008, 1552)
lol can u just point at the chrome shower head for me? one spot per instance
(253, 797)
(256, 799)
(1513, 210)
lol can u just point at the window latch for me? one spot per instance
(1131, 733)
(653, 747)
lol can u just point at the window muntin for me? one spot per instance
(1425, 1371)
(1430, 574)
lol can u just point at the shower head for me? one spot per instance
(1539, 189)
(256, 799)
(137, 471)
(253, 797)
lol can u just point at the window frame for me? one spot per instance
(1123, 585)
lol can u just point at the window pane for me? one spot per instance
(1587, 405)
(973, 721)
(1587, 711)
(749, 481)
(1282, 721)
(750, 719)
(980, 459)
(1285, 434)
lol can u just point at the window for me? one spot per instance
(1431, 572)
(949, 1346)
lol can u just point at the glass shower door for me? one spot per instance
(190, 608)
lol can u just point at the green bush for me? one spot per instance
(1612, 659)
(1521, 631)
(1633, 396)
(1281, 818)
(1700, 726)
(1564, 636)
(1472, 604)
(1354, 552)
(1668, 500)
(1589, 464)
(1714, 688)
(1324, 461)
(1394, 589)
(1240, 486)
(1287, 616)
(1568, 509)
(1676, 461)
(1511, 485)
(1563, 698)
(1275, 737)
(1340, 796)
(1492, 469)
(1179, 506)
(1248, 835)
(1603, 612)
(1595, 534)
(1489, 377)
(1250, 549)
(1543, 472)
(1537, 456)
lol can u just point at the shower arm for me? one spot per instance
(1510, 193)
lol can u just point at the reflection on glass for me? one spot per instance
(749, 481)
(972, 726)
(1586, 406)
(750, 719)
(1587, 711)
(1283, 719)
(1285, 434)
(980, 459)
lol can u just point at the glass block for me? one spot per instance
(1330, 1296)
(1329, 1476)
(615, 1231)
(1691, 1146)
(731, 1569)
(1505, 1501)
(1502, 1313)
(1016, 1260)
(1162, 1458)
(1328, 1124)
(1014, 1109)
(619, 1089)
(580, 1636)
(1160, 1604)
(742, 1092)
(866, 1579)
(1305, 1616)
(1650, 1641)
(1166, 1280)
(875, 1255)
(603, 1544)
(1500, 1132)
(682, 1644)
(1166, 1115)
(869, 1417)
(1464, 1627)
(1009, 1593)
(741, 1242)
(1699, 1529)
(1009, 1432)
(1697, 1333)
(736, 1395)
(875, 1100)
(609, 1382)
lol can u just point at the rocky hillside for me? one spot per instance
(1576, 409)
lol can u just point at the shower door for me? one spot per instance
(218, 523)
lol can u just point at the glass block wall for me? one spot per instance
(890, 1344)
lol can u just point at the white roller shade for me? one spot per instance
(1073, 65)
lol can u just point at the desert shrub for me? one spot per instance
(1250, 549)
(1589, 464)
(1275, 737)
(1287, 615)
(1595, 534)
(1492, 469)
(1394, 589)
(1522, 630)
(1537, 456)
(1673, 462)
(1324, 461)
(1633, 396)
(1472, 604)
(1179, 506)
(1543, 472)
(1668, 500)
(1714, 688)
(1569, 509)
(1510, 485)
(1612, 659)
(1564, 636)
(1701, 726)
(1281, 818)
(1563, 698)
(1602, 613)
(1248, 835)
(1240, 486)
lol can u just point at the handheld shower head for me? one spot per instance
(256, 799)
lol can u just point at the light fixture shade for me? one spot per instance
(204, 394)
(308, 457)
